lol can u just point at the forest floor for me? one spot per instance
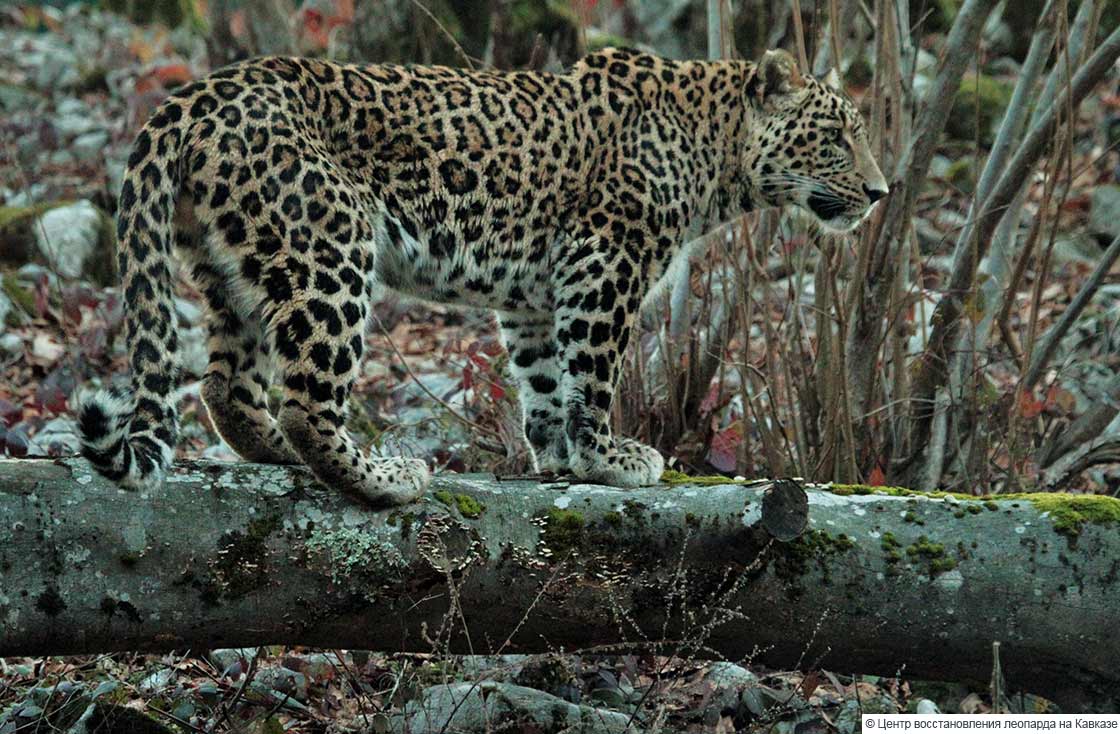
(73, 89)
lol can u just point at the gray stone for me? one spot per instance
(730, 683)
(90, 146)
(157, 681)
(189, 312)
(1104, 214)
(11, 343)
(61, 432)
(224, 657)
(288, 682)
(61, 158)
(5, 308)
(73, 118)
(490, 705)
(194, 355)
(15, 98)
(67, 236)
(56, 68)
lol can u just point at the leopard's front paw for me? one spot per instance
(626, 463)
(551, 459)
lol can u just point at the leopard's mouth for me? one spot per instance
(835, 213)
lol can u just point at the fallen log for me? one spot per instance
(882, 581)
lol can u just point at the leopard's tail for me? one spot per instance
(129, 435)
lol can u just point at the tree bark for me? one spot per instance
(234, 555)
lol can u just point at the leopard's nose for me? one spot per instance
(874, 194)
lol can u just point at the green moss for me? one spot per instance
(563, 530)
(933, 554)
(925, 548)
(1070, 512)
(912, 517)
(961, 173)
(889, 542)
(466, 505)
(11, 216)
(613, 519)
(941, 565)
(19, 295)
(691, 520)
(978, 105)
(128, 558)
(599, 41)
(674, 478)
(634, 510)
(404, 520)
(991, 506)
(546, 18)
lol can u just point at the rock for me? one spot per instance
(490, 706)
(850, 718)
(317, 666)
(222, 658)
(193, 354)
(189, 313)
(1077, 247)
(939, 166)
(90, 147)
(70, 237)
(1104, 212)
(6, 309)
(730, 683)
(61, 158)
(926, 707)
(15, 98)
(492, 667)
(11, 344)
(287, 682)
(58, 437)
(156, 682)
(56, 68)
(220, 452)
(73, 118)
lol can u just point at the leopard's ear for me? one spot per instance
(832, 80)
(777, 76)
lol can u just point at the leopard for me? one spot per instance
(291, 191)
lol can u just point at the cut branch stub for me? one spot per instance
(785, 510)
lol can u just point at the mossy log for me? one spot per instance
(882, 581)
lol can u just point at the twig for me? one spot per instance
(443, 403)
(466, 57)
(1054, 335)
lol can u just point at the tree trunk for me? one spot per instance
(234, 555)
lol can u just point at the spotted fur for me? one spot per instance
(290, 187)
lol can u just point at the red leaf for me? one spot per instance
(1029, 405)
(711, 400)
(878, 477)
(497, 392)
(491, 348)
(468, 377)
(724, 452)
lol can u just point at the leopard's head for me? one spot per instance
(808, 145)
